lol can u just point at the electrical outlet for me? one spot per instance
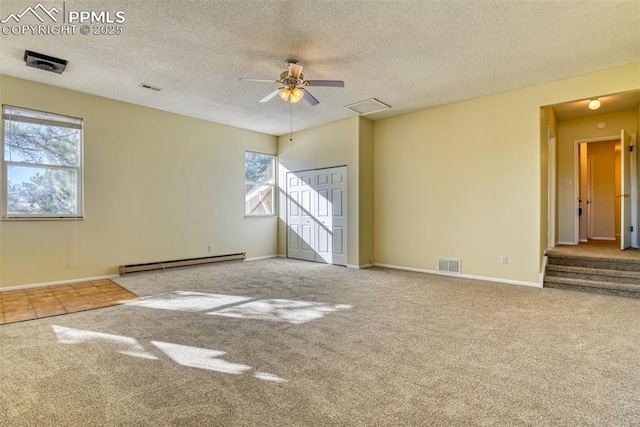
(503, 259)
(210, 248)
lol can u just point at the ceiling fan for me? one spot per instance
(294, 85)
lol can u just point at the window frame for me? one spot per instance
(79, 170)
(274, 158)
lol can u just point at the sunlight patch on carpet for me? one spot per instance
(189, 301)
(184, 355)
(126, 345)
(202, 358)
(269, 377)
(273, 310)
(281, 310)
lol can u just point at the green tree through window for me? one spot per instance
(42, 164)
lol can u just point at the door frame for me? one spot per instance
(589, 210)
(576, 185)
(634, 191)
(552, 184)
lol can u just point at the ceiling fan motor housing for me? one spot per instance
(290, 81)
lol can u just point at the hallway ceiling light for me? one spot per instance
(594, 104)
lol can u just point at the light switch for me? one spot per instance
(566, 182)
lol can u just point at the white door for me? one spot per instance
(300, 205)
(625, 190)
(324, 210)
(330, 185)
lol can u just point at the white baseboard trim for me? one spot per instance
(359, 267)
(584, 240)
(59, 282)
(257, 258)
(464, 276)
(566, 243)
(544, 268)
(603, 238)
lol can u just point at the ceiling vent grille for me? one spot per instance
(368, 106)
(449, 265)
(45, 62)
(146, 86)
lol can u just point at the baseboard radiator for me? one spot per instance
(161, 265)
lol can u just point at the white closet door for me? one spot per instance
(330, 185)
(300, 206)
(327, 214)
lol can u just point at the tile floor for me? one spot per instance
(35, 303)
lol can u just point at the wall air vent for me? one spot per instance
(45, 62)
(449, 265)
(153, 88)
(368, 106)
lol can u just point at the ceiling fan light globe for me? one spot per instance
(284, 95)
(296, 95)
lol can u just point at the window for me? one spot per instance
(259, 183)
(42, 165)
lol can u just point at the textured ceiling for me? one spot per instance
(408, 54)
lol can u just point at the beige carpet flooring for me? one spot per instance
(292, 343)
(608, 249)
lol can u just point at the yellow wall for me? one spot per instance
(617, 187)
(158, 186)
(603, 197)
(548, 131)
(570, 131)
(335, 144)
(365, 184)
(465, 180)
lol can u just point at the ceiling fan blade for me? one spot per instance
(271, 95)
(259, 80)
(325, 83)
(295, 70)
(310, 98)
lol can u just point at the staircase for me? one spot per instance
(619, 277)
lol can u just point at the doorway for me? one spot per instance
(599, 206)
(605, 190)
(317, 215)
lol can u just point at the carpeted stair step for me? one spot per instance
(601, 287)
(592, 262)
(593, 274)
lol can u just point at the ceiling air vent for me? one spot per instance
(146, 86)
(449, 265)
(44, 62)
(368, 106)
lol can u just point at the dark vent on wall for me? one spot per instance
(146, 86)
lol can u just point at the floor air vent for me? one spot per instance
(449, 265)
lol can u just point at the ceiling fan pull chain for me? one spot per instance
(290, 122)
